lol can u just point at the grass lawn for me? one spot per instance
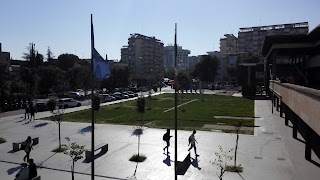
(192, 115)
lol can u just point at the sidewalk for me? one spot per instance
(269, 154)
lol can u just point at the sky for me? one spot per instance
(64, 25)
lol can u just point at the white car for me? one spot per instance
(68, 102)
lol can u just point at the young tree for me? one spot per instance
(222, 158)
(237, 127)
(57, 114)
(75, 152)
(141, 102)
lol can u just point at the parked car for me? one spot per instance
(135, 94)
(68, 102)
(41, 106)
(128, 94)
(119, 95)
(75, 95)
(107, 98)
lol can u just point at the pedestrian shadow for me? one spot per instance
(21, 120)
(11, 151)
(195, 163)
(40, 125)
(26, 123)
(14, 169)
(84, 130)
(167, 161)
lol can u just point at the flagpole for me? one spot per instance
(175, 106)
(92, 110)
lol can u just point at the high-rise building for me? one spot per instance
(228, 45)
(4, 56)
(250, 39)
(144, 55)
(182, 58)
(192, 61)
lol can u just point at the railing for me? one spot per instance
(303, 101)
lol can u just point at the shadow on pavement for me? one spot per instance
(137, 132)
(195, 163)
(14, 169)
(84, 130)
(40, 165)
(26, 122)
(167, 161)
(40, 125)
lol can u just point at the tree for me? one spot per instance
(5, 83)
(237, 127)
(75, 152)
(141, 102)
(206, 69)
(30, 55)
(66, 61)
(50, 78)
(57, 114)
(50, 55)
(222, 158)
(249, 58)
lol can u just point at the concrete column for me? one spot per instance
(293, 118)
(286, 116)
(281, 108)
(308, 148)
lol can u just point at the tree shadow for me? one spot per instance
(40, 165)
(137, 132)
(40, 125)
(241, 176)
(167, 161)
(14, 169)
(195, 163)
(84, 130)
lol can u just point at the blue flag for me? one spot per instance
(101, 67)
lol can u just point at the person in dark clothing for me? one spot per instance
(27, 148)
(27, 111)
(192, 142)
(166, 138)
(32, 111)
(32, 169)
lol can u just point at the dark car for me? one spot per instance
(41, 106)
(128, 94)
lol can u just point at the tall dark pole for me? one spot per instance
(175, 105)
(92, 110)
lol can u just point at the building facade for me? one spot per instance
(144, 55)
(250, 39)
(4, 56)
(182, 58)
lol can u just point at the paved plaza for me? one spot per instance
(270, 154)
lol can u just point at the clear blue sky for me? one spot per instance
(64, 25)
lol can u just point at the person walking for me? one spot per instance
(27, 148)
(27, 111)
(166, 138)
(193, 142)
(32, 169)
(32, 111)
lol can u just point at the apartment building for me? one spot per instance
(182, 58)
(250, 39)
(144, 55)
(4, 56)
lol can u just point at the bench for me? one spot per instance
(183, 162)
(17, 145)
(103, 147)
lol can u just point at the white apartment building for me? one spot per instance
(144, 55)
(182, 58)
